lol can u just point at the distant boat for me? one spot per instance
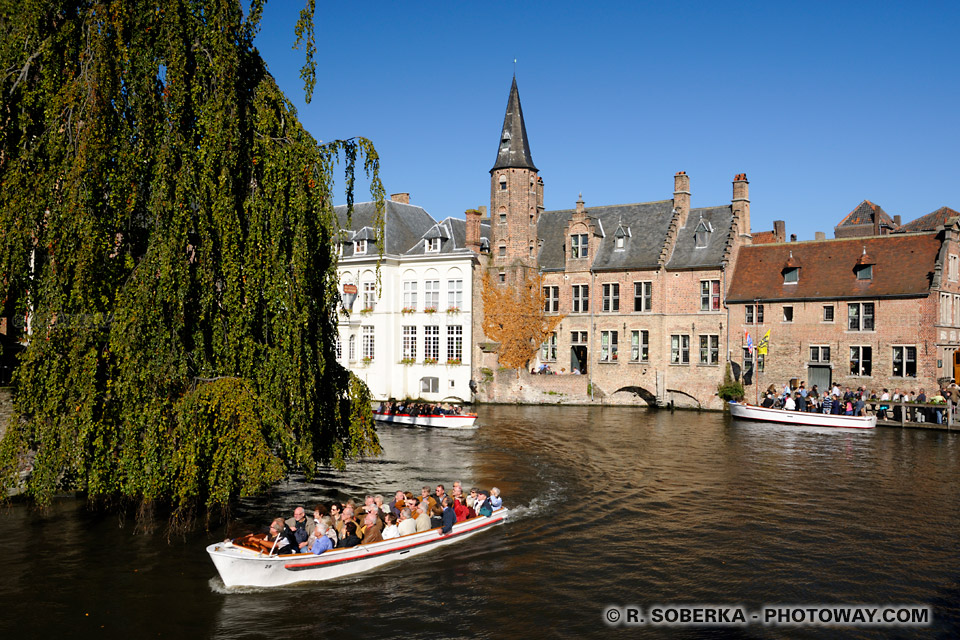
(763, 414)
(443, 421)
(243, 563)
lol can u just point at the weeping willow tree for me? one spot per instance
(167, 232)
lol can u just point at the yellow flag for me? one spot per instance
(764, 343)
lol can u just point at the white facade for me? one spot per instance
(413, 339)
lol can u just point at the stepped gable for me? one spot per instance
(903, 267)
(452, 233)
(648, 223)
(930, 222)
(686, 255)
(404, 225)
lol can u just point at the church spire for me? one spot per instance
(514, 151)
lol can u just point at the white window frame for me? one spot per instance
(410, 342)
(904, 353)
(359, 247)
(455, 294)
(455, 342)
(431, 342)
(861, 315)
(859, 351)
(581, 298)
(369, 342)
(431, 245)
(410, 294)
(643, 296)
(710, 295)
(548, 350)
(680, 348)
(818, 351)
(611, 297)
(709, 349)
(431, 294)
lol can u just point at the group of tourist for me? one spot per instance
(411, 408)
(856, 402)
(337, 526)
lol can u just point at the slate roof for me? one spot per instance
(514, 149)
(686, 255)
(404, 224)
(648, 223)
(931, 221)
(453, 237)
(903, 266)
(863, 214)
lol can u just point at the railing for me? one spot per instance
(916, 413)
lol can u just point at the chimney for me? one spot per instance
(741, 203)
(819, 235)
(473, 217)
(896, 220)
(681, 196)
(779, 230)
(793, 237)
(402, 198)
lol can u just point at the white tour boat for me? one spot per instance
(444, 421)
(241, 564)
(763, 414)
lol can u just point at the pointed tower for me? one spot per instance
(516, 193)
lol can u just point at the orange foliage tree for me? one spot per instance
(513, 317)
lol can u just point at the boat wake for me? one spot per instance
(217, 586)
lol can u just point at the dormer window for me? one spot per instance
(579, 246)
(431, 245)
(360, 247)
(791, 275)
(620, 237)
(865, 272)
(702, 234)
(620, 242)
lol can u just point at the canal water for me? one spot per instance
(610, 507)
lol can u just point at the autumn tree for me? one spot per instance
(513, 316)
(167, 230)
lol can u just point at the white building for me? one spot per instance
(412, 336)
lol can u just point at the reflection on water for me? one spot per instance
(610, 506)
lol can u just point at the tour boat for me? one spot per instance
(763, 414)
(444, 421)
(241, 563)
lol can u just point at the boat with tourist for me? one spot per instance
(801, 418)
(441, 420)
(242, 561)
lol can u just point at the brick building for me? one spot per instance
(641, 286)
(879, 311)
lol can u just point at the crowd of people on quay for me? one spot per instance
(336, 525)
(411, 408)
(857, 402)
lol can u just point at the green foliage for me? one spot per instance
(730, 389)
(167, 225)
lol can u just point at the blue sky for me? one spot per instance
(822, 105)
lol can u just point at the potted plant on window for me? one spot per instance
(407, 310)
(366, 360)
(430, 310)
(429, 361)
(453, 310)
(453, 361)
(407, 361)
(366, 311)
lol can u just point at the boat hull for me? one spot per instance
(238, 566)
(801, 418)
(463, 421)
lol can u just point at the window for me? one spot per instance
(502, 250)
(432, 245)
(548, 350)
(410, 295)
(339, 349)
(352, 353)
(701, 237)
(952, 270)
(750, 308)
(865, 272)
(828, 313)
(369, 295)
(611, 297)
(861, 361)
(642, 296)
(503, 217)
(581, 298)
(787, 313)
(819, 353)
(579, 246)
(619, 243)
(679, 349)
(791, 275)
(360, 247)
(454, 294)
(369, 346)
(608, 346)
(431, 294)
(503, 183)
(551, 299)
(747, 362)
(945, 312)
(454, 342)
(956, 310)
(578, 337)
(860, 316)
(431, 343)
(709, 295)
(640, 346)
(409, 343)
(503, 276)
(709, 349)
(429, 385)
(905, 362)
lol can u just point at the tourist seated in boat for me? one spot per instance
(472, 498)
(321, 541)
(495, 500)
(407, 524)
(280, 540)
(350, 538)
(449, 517)
(371, 529)
(767, 401)
(423, 520)
(483, 506)
(300, 527)
(461, 509)
(335, 509)
(348, 518)
(439, 494)
(432, 507)
(391, 530)
(398, 503)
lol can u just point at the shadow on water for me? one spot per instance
(611, 506)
